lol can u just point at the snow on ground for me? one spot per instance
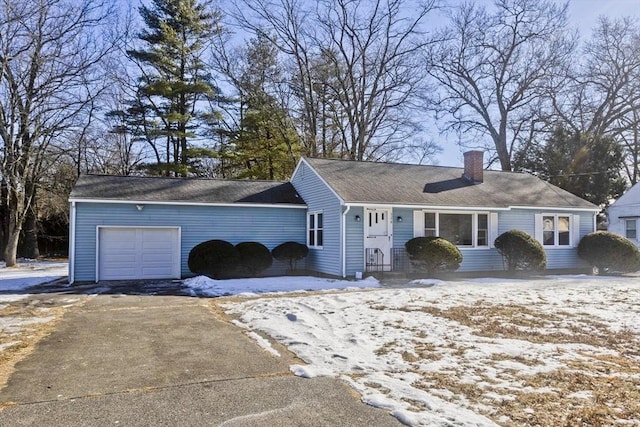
(211, 287)
(557, 351)
(30, 273)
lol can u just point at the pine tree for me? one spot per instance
(266, 142)
(174, 76)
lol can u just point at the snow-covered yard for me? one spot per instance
(30, 273)
(548, 352)
(554, 351)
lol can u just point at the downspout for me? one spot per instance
(72, 242)
(344, 241)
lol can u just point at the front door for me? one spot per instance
(378, 239)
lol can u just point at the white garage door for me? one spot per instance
(138, 253)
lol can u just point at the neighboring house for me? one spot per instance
(623, 215)
(354, 216)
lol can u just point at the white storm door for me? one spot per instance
(138, 253)
(378, 239)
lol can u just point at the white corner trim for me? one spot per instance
(72, 242)
(343, 250)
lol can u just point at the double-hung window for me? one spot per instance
(315, 230)
(630, 227)
(556, 230)
(462, 229)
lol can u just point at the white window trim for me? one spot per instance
(315, 229)
(635, 221)
(574, 229)
(419, 226)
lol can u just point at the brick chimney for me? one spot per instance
(473, 166)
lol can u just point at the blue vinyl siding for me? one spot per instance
(269, 226)
(478, 259)
(319, 198)
(557, 258)
(402, 231)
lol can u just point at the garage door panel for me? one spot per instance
(161, 259)
(164, 271)
(121, 244)
(119, 258)
(157, 247)
(138, 253)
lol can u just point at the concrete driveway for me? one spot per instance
(138, 360)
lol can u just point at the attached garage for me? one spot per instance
(138, 253)
(134, 227)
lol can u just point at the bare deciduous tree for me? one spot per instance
(49, 52)
(601, 94)
(493, 68)
(353, 60)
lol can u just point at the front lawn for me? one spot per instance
(551, 352)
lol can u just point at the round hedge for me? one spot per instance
(433, 254)
(254, 258)
(609, 252)
(290, 252)
(521, 251)
(214, 258)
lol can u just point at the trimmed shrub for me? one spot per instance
(609, 252)
(217, 259)
(290, 252)
(433, 254)
(520, 251)
(254, 258)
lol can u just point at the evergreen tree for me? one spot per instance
(582, 164)
(266, 143)
(174, 77)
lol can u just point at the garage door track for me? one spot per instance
(136, 360)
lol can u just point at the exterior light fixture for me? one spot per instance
(139, 207)
(399, 218)
(357, 218)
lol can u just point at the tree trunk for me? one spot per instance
(30, 242)
(11, 250)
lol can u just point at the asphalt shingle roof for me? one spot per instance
(158, 189)
(391, 183)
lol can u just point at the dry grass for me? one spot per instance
(596, 386)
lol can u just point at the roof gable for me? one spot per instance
(630, 197)
(191, 190)
(391, 183)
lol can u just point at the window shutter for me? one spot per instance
(538, 228)
(418, 224)
(575, 230)
(493, 228)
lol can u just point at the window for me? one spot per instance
(556, 230)
(462, 229)
(430, 229)
(457, 228)
(630, 228)
(314, 235)
(483, 230)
